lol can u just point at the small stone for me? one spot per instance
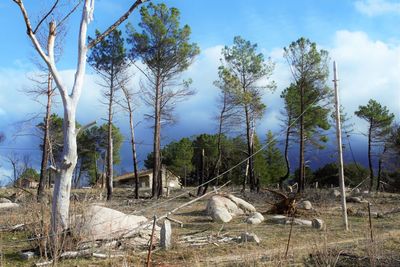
(278, 219)
(255, 218)
(299, 222)
(252, 237)
(353, 199)
(26, 255)
(318, 224)
(5, 200)
(335, 192)
(305, 205)
(165, 235)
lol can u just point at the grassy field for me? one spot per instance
(308, 247)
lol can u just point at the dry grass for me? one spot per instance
(308, 247)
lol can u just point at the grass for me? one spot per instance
(308, 247)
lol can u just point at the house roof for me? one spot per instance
(131, 175)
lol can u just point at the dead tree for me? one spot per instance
(70, 98)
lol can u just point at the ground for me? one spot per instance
(308, 247)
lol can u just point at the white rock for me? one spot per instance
(9, 205)
(249, 237)
(26, 255)
(300, 222)
(222, 209)
(279, 219)
(255, 218)
(165, 235)
(103, 223)
(244, 205)
(305, 205)
(5, 200)
(318, 223)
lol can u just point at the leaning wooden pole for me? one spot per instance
(340, 151)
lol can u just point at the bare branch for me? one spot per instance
(116, 24)
(45, 16)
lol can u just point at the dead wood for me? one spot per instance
(286, 205)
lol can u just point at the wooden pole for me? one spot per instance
(148, 264)
(340, 151)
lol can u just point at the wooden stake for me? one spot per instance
(370, 221)
(339, 143)
(151, 242)
(290, 234)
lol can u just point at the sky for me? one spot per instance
(362, 36)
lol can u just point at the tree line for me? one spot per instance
(164, 48)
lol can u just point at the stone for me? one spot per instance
(299, 222)
(243, 205)
(278, 219)
(8, 206)
(305, 205)
(318, 224)
(165, 235)
(335, 192)
(354, 199)
(5, 200)
(222, 209)
(249, 237)
(26, 255)
(255, 218)
(101, 223)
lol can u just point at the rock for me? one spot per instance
(357, 191)
(305, 205)
(165, 235)
(318, 224)
(335, 192)
(255, 218)
(354, 199)
(26, 255)
(245, 206)
(223, 209)
(252, 237)
(5, 200)
(8, 206)
(299, 222)
(278, 219)
(100, 223)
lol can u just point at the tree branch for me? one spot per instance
(116, 24)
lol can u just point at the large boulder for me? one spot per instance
(222, 208)
(101, 223)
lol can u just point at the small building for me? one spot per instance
(169, 179)
(28, 183)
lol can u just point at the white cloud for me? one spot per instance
(377, 7)
(367, 69)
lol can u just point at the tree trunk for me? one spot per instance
(301, 148)
(201, 172)
(249, 149)
(110, 149)
(133, 144)
(284, 177)
(45, 151)
(380, 164)
(62, 186)
(371, 170)
(156, 145)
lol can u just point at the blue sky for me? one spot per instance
(362, 36)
